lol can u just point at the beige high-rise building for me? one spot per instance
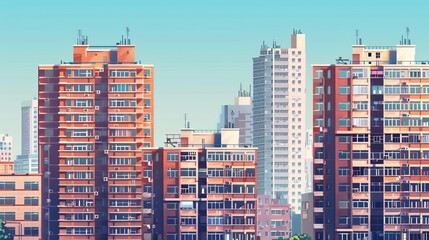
(279, 116)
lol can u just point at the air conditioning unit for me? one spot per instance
(85, 110)
(69, 190)
(96, 193)
(96, 216)
(51, 191)
(106, 151)
(97, 137)
(97, 92)
(117, 110)
(68, 109)
(149, 163)
(149, 179)
(97, 108)
(105, 179)
(86, 95)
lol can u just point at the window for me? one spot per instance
(344, 171)
(173, 156)
(360, 122)
(343, 220)
(7, 200)
(7, 185)
(360, 89)
(318, 74)
(31, 231)
(319, 122)
(7, 215)
(172, 172)
(172, 220)
(319, 106)
(344, 204)
(344, 106)
(345, 90)
(344, 73)
(344, 187)
(31, 185)
(344, 122)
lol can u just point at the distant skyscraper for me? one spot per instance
(95, 117)
(371, 145)
(27, 162)
(239, 115)
(279, 116)
(6, 162)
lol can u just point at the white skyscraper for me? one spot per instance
(279, 117)
(27, 162)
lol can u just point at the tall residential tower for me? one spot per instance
(279, 113)
(95, 117)
(371, 146)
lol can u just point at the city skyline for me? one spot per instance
(226, 37)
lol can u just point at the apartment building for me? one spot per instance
(28, 161)
(6, 161)
(371, 145)
(279, 116)
(20, 205)
(95, 117)
(204, 186)
(274, 219)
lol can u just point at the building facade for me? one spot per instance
(279, 116)
(307, 223)
(6, 160)
(274, 219)
(28, 161)
(309, 161)
(239, 115)
(20, 205)
(95, 116)
(371, 145)
(204, 187)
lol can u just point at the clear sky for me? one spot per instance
(202, 50)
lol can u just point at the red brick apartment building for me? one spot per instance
(371, 146)
(95, 117)
(204, 187)
(274, 218)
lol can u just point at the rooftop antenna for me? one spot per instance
(340, 60)
(250, 90)
(127, 29)
(79, 36)
(408, 41)
(185, 120)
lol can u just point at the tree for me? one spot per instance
(4, 231)
(300, 237)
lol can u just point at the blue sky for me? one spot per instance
(202, 50)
